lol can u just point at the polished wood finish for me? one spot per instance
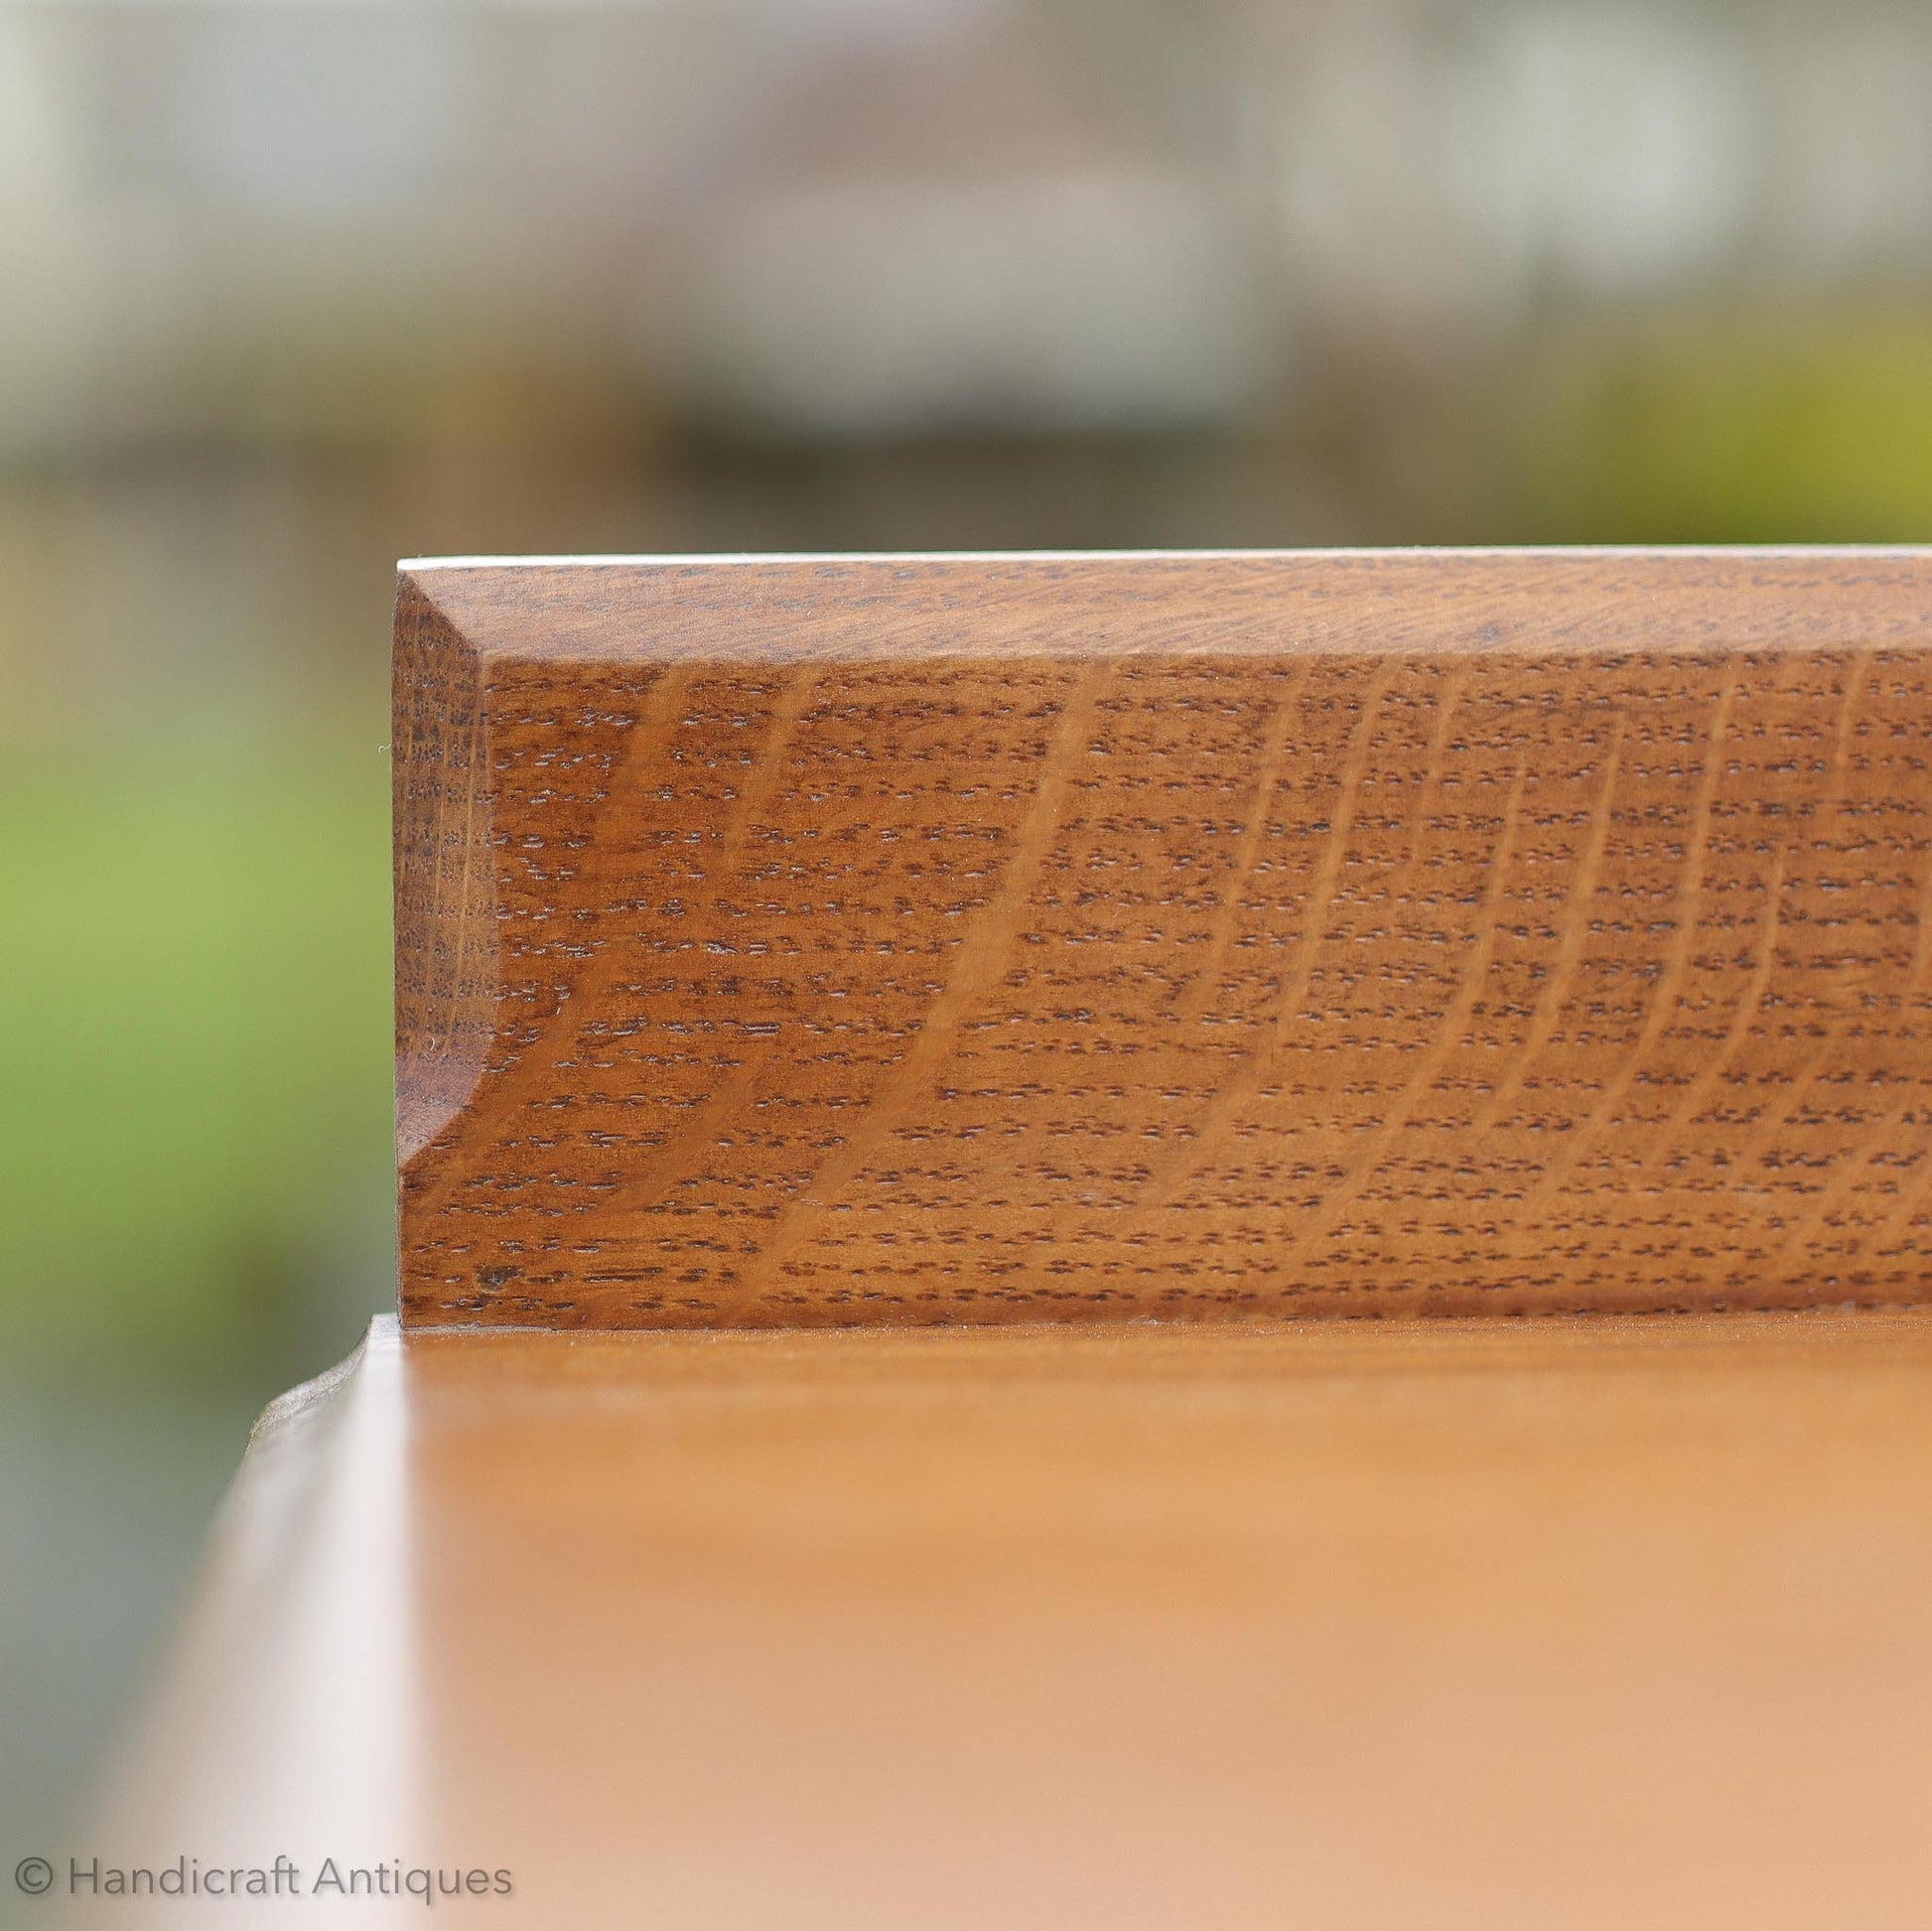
(789, 942)
(1416, 1625)
(961, 955)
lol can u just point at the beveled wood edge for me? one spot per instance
(781, 609)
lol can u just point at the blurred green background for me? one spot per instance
(289, 291)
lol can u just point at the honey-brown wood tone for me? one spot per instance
(1556, 1625)
(982, 940)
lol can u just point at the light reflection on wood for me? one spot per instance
(1444, 1626)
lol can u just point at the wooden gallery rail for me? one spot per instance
(896, 1054)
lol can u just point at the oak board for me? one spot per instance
(1370, 1626)
(974, 939)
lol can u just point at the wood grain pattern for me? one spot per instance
(979, 939)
